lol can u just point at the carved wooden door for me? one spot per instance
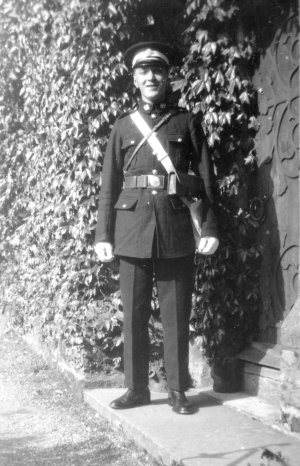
(277, 82)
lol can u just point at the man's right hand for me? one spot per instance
(104, 251)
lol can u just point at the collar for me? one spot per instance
(148, 108)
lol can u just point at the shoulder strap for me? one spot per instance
(150, 136)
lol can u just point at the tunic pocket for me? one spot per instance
(177, 138)
(130, 142)
(178, 149)
(128, 221)
(126, 202)
(128, 147)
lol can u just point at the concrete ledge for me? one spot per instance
(213, 436)
(251, 406)
(77, 380)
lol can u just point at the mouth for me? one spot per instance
(152, 86)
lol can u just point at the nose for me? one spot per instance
(150, 75)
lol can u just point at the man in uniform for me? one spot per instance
(151, 231)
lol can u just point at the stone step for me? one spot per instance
(216, 435)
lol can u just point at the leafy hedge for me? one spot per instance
(217, 82)
(62, 84)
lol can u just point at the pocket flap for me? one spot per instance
(132, 141)
(126, 203)
(180, 138)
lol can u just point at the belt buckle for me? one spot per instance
(154, 181)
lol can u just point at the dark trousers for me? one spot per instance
(174, 278)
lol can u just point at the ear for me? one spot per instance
(134, 80)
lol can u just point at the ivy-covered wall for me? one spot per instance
(62, 84)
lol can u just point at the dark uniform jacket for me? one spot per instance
(133, 219)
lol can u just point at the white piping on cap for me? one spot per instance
(148, 55)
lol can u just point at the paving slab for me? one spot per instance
(253, 406)
(214, 436)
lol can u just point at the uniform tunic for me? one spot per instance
(152, 233)
(132, 219)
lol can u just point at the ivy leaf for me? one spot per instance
(254, 123)
(244, 97)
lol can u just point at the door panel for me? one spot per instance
(277, 82)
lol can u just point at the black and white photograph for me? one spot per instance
(149, 233)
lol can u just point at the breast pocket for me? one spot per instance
(178, 150)
(128, 147)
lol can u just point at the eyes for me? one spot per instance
(156, 70)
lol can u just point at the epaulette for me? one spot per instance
(181, 109)
(177, 110)
(174, 104)
(128, 111)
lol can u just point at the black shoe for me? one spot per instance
(132, 398)
(179, 402)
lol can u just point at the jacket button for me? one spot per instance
(154, 192)
(124, 205)
(154, 172)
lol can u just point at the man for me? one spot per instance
(151, 231)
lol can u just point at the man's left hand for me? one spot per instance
(208, 245)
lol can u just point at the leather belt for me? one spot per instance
(145, 181)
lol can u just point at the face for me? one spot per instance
(151, 81)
